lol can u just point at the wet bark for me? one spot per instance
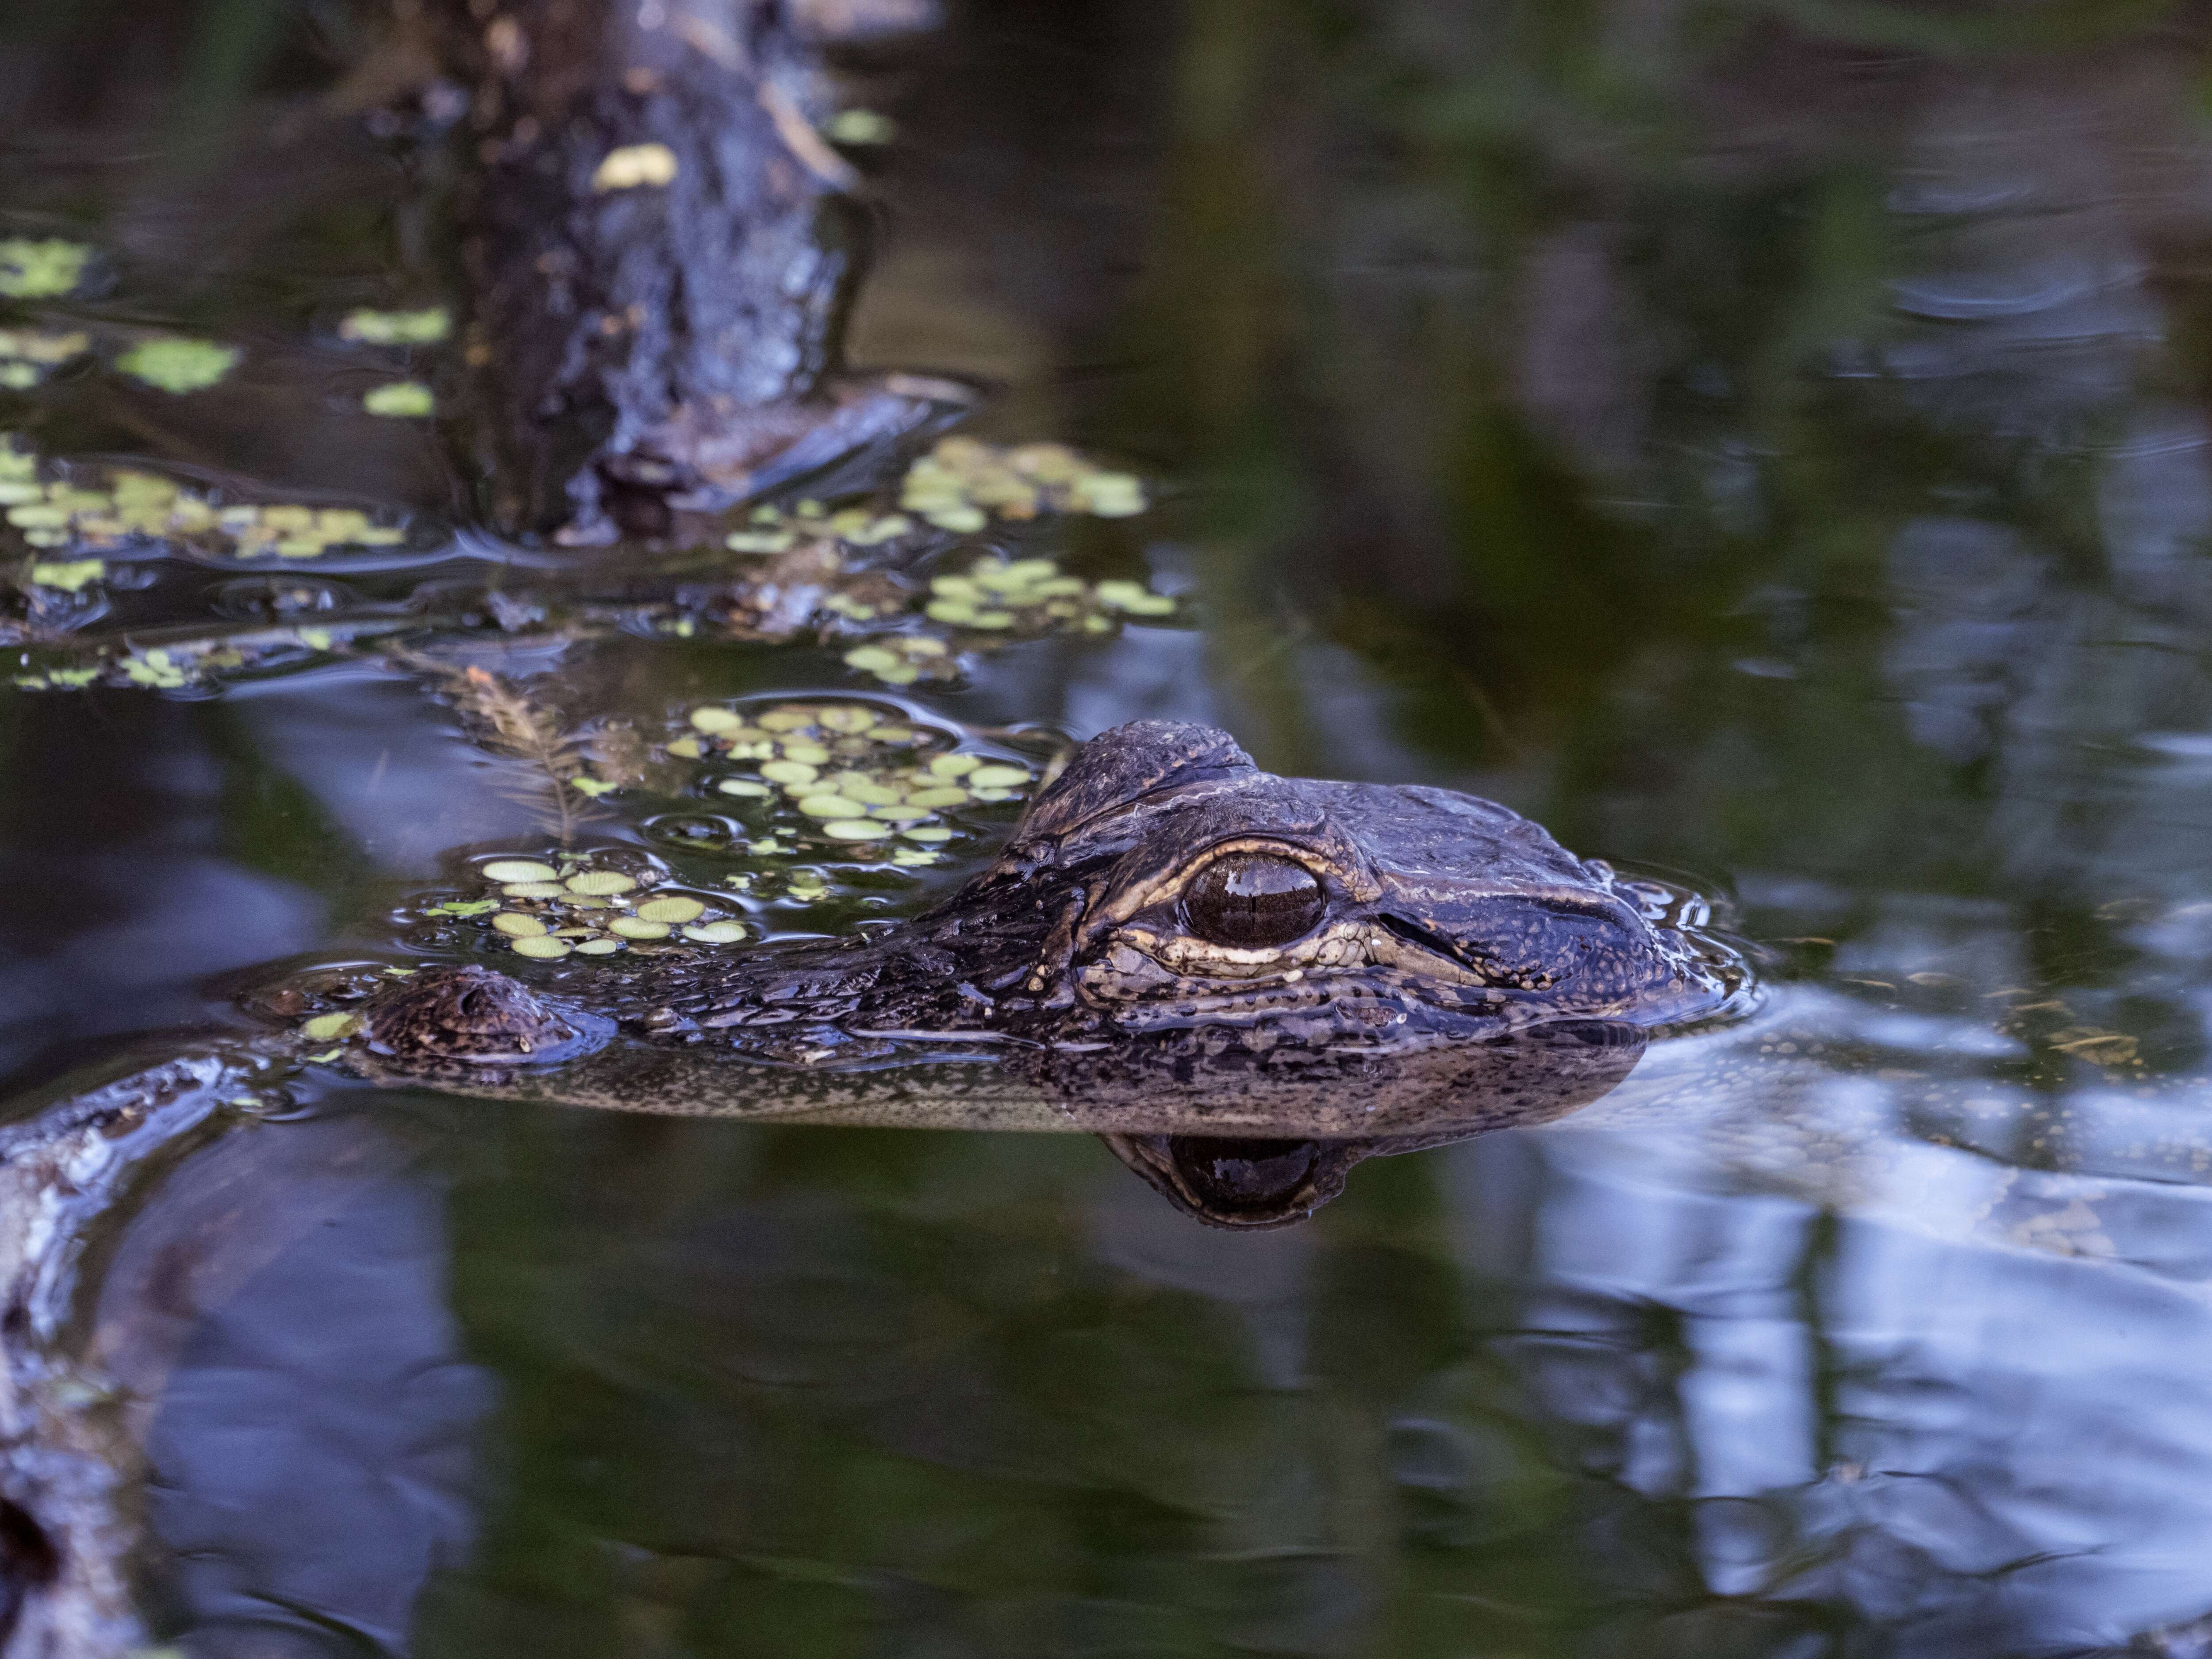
(659, 245)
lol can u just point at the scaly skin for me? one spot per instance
(1457, 971)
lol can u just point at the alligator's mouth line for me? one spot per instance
(1350, 946)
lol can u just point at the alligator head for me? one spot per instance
(1173, 943)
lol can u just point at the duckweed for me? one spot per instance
(849, 772)
(41, 269)
(70, 576)
(860, 126)
(28, 356)
(177, 365)
(904, 659)
(963, 484)
(771, 530)
(400, 400)
(1133, 598)
(504, 869)
(588, 908)
(1033, 596)
(600, 883)
(424, 327)
(102, 510)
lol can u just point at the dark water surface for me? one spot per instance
(1768, 442)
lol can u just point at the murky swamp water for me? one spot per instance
(1769, 444)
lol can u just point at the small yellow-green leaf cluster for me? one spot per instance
(771, 530)
(28, 355)
(68, 575)
(904, 659)
(424, 327)
(57, 679)
(178, 365)
(169, 668)
(41, 269)
(145, 505)
(847, 773)
(400, 400)
(1027, 596)
(551, 906)
(163, 670)
(860, 126)
(963, 484)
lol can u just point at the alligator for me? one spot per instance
(1245, 982)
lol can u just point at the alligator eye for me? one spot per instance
(1250, 900)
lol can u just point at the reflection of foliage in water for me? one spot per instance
(1616, 417)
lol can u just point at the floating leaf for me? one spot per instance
(400, 400)
(601, 883)
(424, 327)
(71, 577)
(962, 483)
(26, 355)
(860, 126)
(178, 365)
(504, 869)
(154, 669)
(463, 907)
(41, 269)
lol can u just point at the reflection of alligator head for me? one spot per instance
(1174, 943)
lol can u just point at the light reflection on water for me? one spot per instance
(1817, 508)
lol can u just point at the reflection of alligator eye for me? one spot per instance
(1249, 901)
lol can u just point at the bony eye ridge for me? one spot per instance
(1253, 901)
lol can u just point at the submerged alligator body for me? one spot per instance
(1174, 945)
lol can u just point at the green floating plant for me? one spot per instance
(424, 327)
(28, 355)
(41, 269)
(177, 365)
(963, 484)
(400, 400)
(846, 773)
